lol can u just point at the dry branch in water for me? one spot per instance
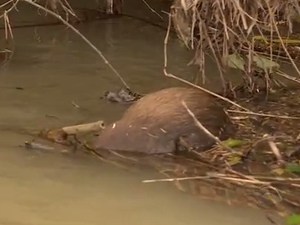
(60, 135)
(53, 5)
(84, 128)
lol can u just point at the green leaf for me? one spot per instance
(293, 219)
(292, 167)
(232, 143)
(264, 63)
(235, 61)
(233, 160)
(278, 171)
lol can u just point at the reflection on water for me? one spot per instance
(56, 68)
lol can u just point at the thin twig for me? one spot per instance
(279, 36)
(263, 114)
(210, 176)
(197, 122)
(152, 10)
(275, 151)
(14, 6)
(176, 179)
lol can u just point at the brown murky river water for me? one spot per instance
(55, 68)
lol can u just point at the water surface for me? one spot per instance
(55, 69)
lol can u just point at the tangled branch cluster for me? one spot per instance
(225, 27)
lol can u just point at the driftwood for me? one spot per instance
(84, 128)
(60, 135)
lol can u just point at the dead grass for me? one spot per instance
(222, 28)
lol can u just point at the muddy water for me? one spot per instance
(51, 70)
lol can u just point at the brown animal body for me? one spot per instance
(158, 121)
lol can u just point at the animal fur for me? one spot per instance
(158, 121)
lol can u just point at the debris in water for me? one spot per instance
(122, 96)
